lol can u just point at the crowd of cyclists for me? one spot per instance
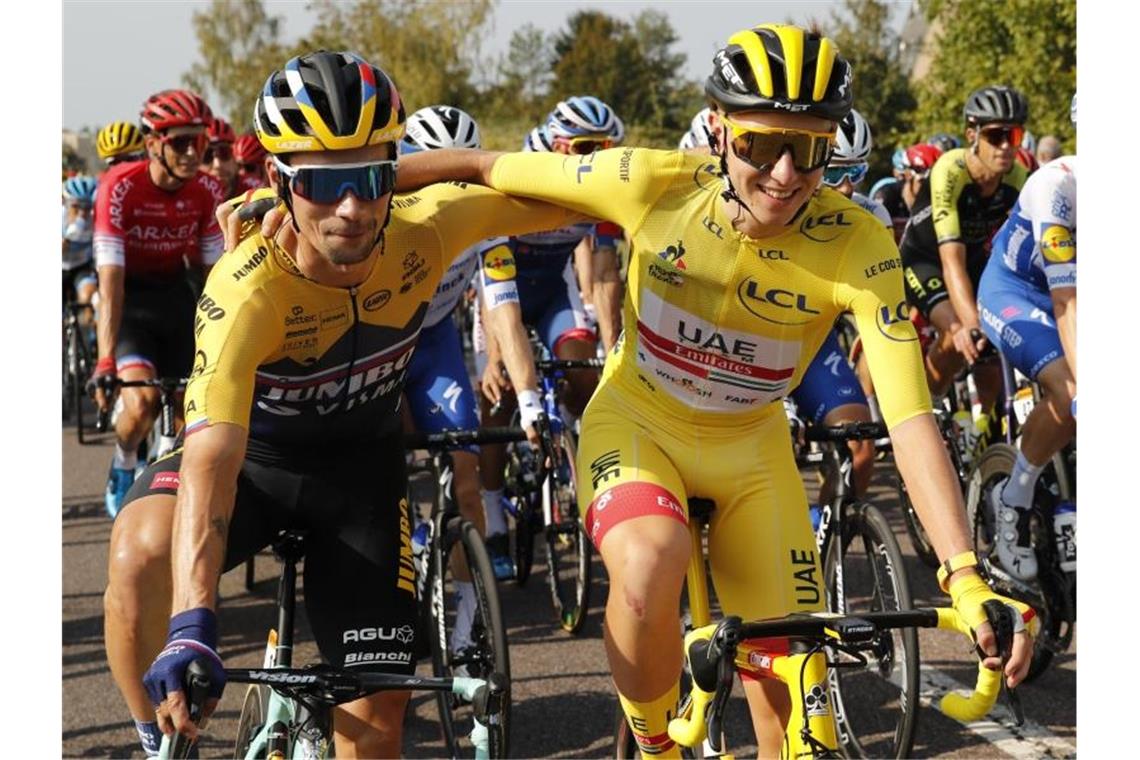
(710, 277)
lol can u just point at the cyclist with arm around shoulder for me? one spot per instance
(685, 406)
(302, 349)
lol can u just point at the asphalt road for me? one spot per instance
(563, 698)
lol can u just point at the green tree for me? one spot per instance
(430, 49)
(239, 45)
(632, 67)
(883, 94)
(1027, 44)
(524, 76)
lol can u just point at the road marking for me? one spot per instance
(1031, 740)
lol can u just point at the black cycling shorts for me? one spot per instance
(925, 285)
(359, 578)
(157, 328)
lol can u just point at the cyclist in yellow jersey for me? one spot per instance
(737, 273)
(302, 345)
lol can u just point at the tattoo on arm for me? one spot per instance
(221, 526)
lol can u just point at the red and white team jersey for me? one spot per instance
(148, 230)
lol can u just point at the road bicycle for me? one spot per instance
(822, 642)
(876, 696)
(287, 711)
(163, 436)
(77, 363)
(544, 500)
(1053, 595)
(452, 545)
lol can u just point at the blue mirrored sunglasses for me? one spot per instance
(833, 176)
(328, 184)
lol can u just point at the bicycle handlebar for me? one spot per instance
(454, 439)
(554, 365)
(710, 648)
(850, 431)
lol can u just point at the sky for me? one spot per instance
(117, 52)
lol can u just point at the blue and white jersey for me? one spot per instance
(535, 263)
(1038, 243)
(454, 282)
(876, 208)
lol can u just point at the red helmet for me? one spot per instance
(921, 157)
(248, 149)
(220, 131)
(1026, 158)
(174, 108)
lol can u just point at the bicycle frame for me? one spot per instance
(800, 737)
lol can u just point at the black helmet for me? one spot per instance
(996, 103)
(781, 67)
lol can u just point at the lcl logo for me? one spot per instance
(794, 307)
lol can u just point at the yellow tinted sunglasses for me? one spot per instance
(761, 147)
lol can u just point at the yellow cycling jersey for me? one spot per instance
(718, 325)
(305, 365)
(959, 211)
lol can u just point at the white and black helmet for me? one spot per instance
(583, 115)
(437, 127)
(852, 140)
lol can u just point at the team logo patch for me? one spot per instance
(1057, 245)
(499, 263)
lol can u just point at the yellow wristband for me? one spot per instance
(953, 565)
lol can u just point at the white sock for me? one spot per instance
(464, 615)
(493, 510)
(124, 460)
(1018, 491)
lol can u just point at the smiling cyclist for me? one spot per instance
(740, 266)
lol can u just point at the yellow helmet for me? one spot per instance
(781, 67)
(328, 101)
(119, 138)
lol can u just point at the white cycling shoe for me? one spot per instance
(1011, 537)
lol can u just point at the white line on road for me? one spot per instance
(1029, 741)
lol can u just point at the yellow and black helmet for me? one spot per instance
(781, 67)
(328, 101)
(119, 138)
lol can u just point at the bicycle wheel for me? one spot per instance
(568, 549)
(254, 708)
(918, 538)
(68, 376)
(487, 653)
(526, 518)
(876, 705)
(1048, 602)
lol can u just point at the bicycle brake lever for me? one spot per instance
(1000, 617)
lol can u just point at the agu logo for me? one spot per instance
(499, 263)
(1057, 245)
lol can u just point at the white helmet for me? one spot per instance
(1073, 109)
(701, 126)
(852, 140)
(582, 115)
(690, 141)
(1029, 142)
(618, 130)
(538, 140)
(442, 127)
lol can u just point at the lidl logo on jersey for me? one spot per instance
(499, 263)
(1057, 245)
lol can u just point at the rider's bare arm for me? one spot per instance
(505, 328)
(110, 312)
(211, 460)
(607, 290)
(449, 164)
(961, 292)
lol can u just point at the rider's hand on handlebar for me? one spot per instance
(193, 635)
(969, 342)
(495, 381)
(969, 592)
(530, 408)
(100, 384)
